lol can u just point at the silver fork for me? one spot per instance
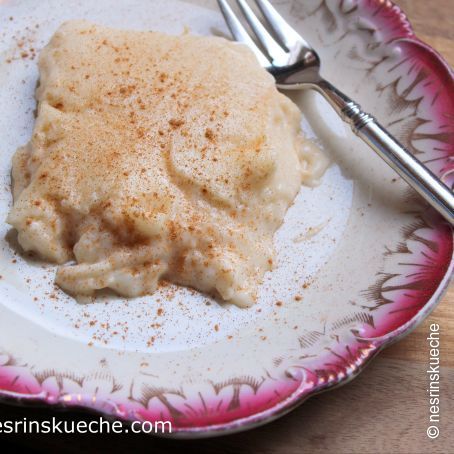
(295, 65)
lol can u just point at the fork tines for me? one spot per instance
(276, 54)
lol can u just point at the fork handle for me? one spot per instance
(413, 171)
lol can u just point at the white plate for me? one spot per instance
(360, 260)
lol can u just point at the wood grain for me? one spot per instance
(385, 409)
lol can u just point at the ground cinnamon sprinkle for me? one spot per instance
(209, 134)
(176, 123)
(151, 341)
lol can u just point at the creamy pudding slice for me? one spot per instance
(157, 157)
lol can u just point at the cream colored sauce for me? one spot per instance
(157, 157)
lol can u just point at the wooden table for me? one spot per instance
(385, 409)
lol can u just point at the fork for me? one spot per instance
(295, 65)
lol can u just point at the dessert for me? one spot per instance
(157, 157)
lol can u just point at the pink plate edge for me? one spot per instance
(343, 366)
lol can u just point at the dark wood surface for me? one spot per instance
(385, 409)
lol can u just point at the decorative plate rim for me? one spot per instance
(362, 357)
